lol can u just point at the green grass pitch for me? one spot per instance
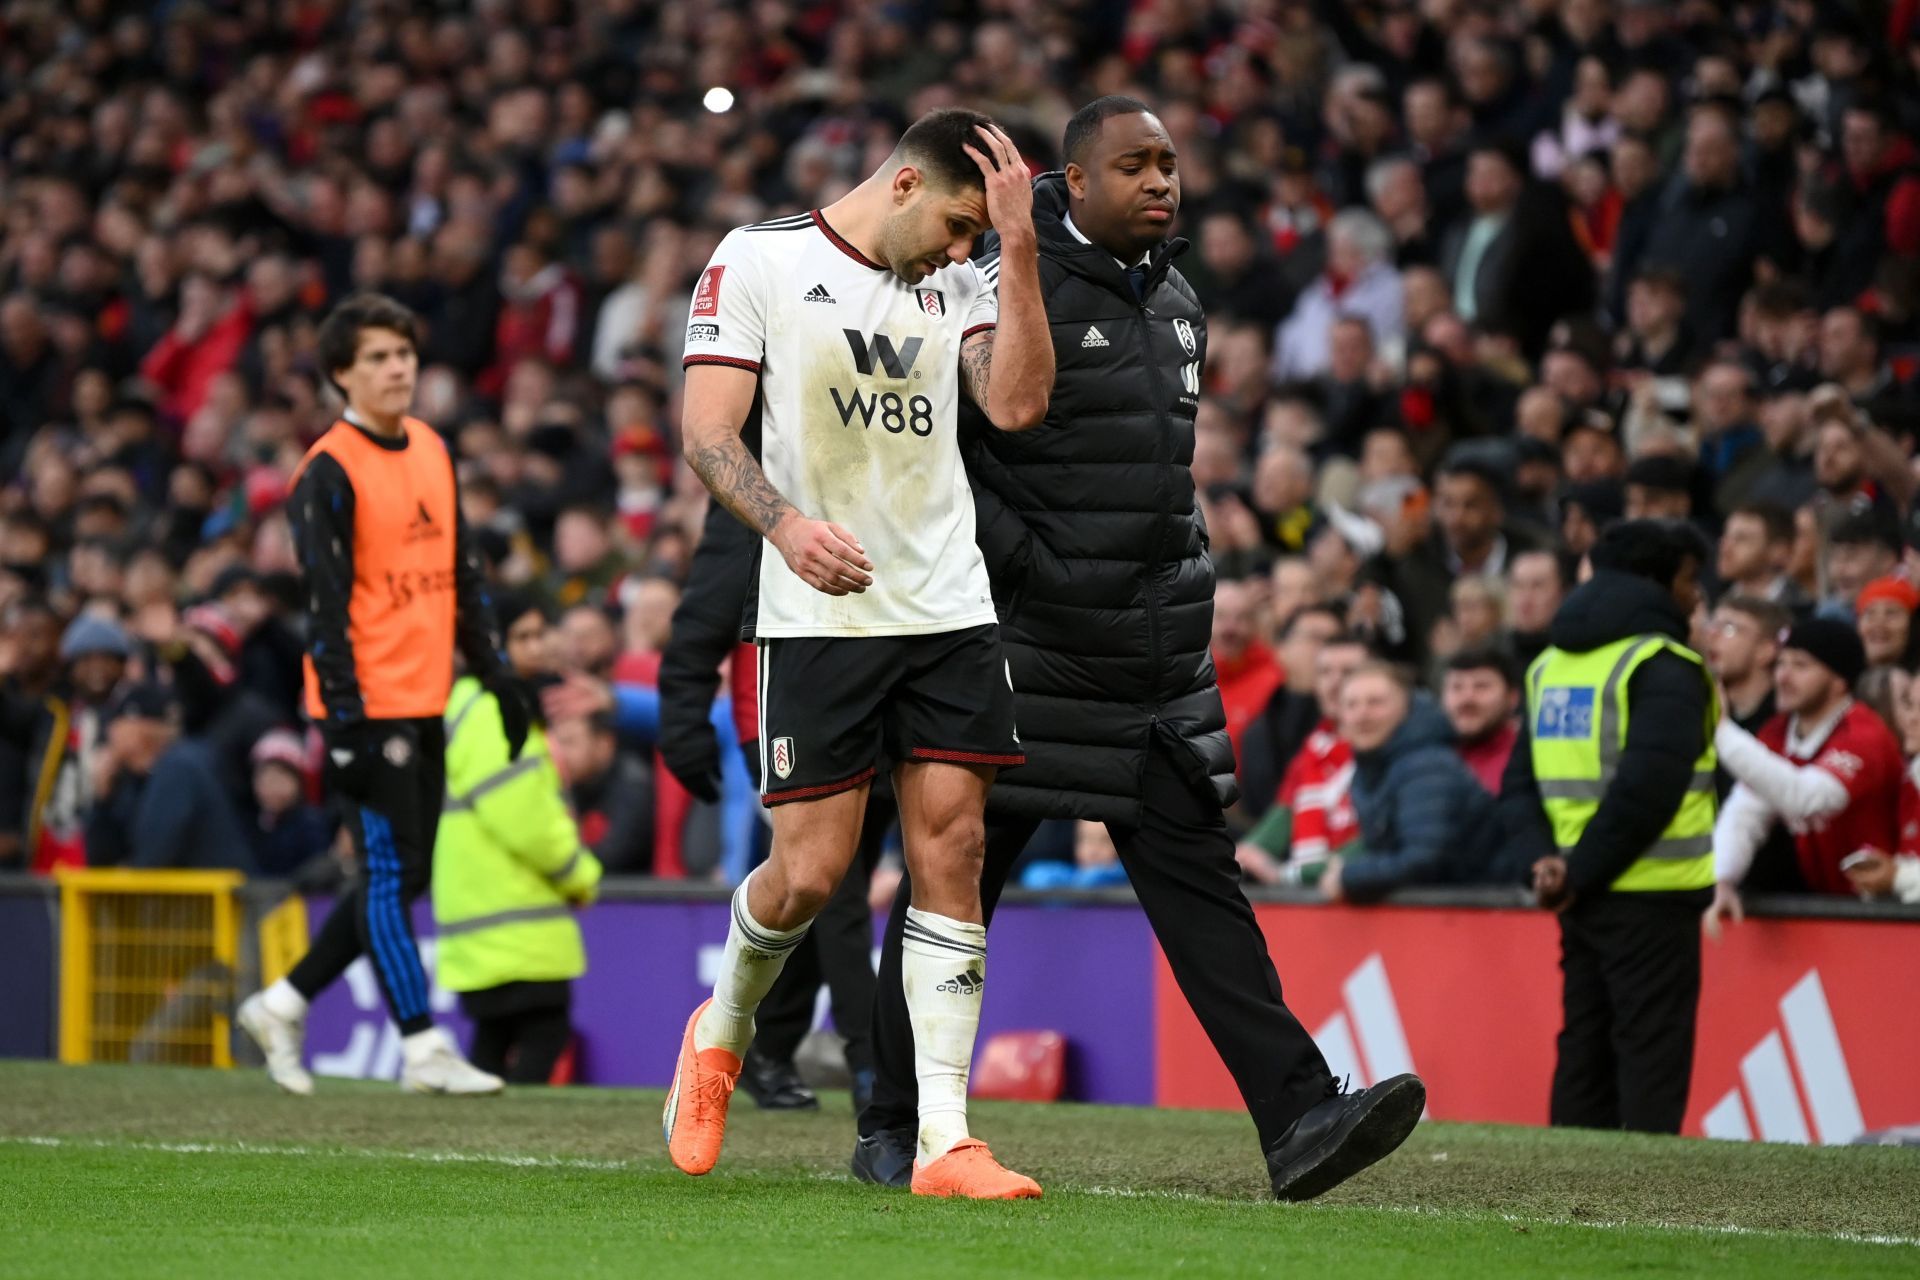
(151, 1172)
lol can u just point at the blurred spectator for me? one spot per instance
(1270, 742)
(1536, 584)
(289, 834)
(1471, 535)
(1514, 266)
(1095, 865)
(1886, 607)
(1742, 644)
(1415, 801)
(1711, 227)
(1480, 696)
(1359, 281)
(1862, 546)
(1755, 547)
(1825, 764)
(1245, 665)
(1659, 488)
(159, 801)
(611, 792)
(1311, 816)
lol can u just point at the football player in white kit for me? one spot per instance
(843, 338)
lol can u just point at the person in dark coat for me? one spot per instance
(1422, 815)
(706, 630)
(1711, 227)
(163, 804)
(1104, 588)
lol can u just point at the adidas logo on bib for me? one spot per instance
(817, 294)
(1094, 338)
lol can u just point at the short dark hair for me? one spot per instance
(1486, 657)
(1321, 608)
(1772, 618)
(1084, 128)
(1774, 518)
(1469, 462)
(1650, 549)
(1870, 527)
(339, 337)
(936, 145)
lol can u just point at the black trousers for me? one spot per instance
(838, 950)
(392, 830)
(1631, 993)
(520, 1029)
(1180, 861)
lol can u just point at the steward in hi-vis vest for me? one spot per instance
(509, 871)
(1610, 795)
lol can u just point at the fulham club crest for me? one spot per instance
(933, 302)
(783, 758)
(1184, 332)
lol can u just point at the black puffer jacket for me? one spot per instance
(1094, 542)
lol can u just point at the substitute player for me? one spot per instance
(393, 586)
(843, 339)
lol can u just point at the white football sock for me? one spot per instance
(282, 1000)
(752, 960)
(943, 966)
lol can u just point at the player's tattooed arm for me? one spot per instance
(731, 475)
(1015, 395)
(976, 366)
(821, 553)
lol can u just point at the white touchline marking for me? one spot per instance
(1126, 1193)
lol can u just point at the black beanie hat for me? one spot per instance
(1834, 645)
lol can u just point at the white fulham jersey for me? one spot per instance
(859, 409)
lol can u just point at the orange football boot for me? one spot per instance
(695, 1118)
(970, 1172)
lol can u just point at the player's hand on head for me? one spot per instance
(1009, 185)
(823, 555)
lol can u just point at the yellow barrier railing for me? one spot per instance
(147, 961)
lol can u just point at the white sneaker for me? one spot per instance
(281, 1039)
(434, 1065)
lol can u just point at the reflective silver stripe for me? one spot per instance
(519, 915)
(1572, 789)
(453, 724)
(567, 869)
(1681, 847)
(1610, 707)
(462, 803)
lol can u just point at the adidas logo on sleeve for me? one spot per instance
(818, 294)
(1094, 338)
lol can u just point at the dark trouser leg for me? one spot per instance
(1653, 974)
(540, 1037)
(1180, 860)
(1585, 1081)
(786, 1015)
(392, 832)
(492, 1038)
(843, 934)
(896, 1090)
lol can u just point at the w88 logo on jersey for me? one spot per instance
(894, 412)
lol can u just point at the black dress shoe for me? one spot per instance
(776, 1086)
(886, 1157)
(1344, 1134)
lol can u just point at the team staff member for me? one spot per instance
(1099, 563)
(393, 587)
(508, 871)
(1610, 790)
(837, 950)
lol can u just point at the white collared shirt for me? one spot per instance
(1074, 231)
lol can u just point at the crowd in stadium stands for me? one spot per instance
(1481, 276)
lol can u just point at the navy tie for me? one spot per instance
(1137, 277)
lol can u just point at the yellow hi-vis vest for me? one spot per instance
(1577, 709)
(508, 865)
